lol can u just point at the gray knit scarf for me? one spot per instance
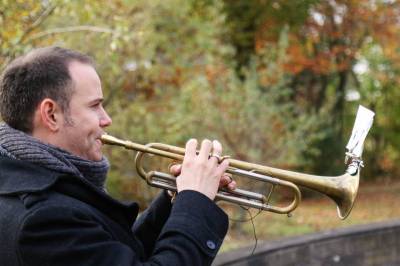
(18, 145)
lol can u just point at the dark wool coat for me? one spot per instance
(52, 219)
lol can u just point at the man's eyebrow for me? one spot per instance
(97, 100)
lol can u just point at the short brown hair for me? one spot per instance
(26, 81)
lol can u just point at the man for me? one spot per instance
(53, 208)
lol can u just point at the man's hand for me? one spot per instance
(226, 180)
(201, 172)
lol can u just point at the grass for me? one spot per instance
(375, 202)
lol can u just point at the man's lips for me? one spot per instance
(99, 142)
(98, 138)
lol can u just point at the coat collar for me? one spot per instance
(19, 177)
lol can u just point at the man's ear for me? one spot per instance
(50, 114)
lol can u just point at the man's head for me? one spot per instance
(42, 73)
(55, 95)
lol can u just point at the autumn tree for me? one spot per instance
(326, 40)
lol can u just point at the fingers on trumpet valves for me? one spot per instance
(190, 149)
(207, 159)
(218, 160)
(217, 151)
(205, 149)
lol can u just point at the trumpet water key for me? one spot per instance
(341, 189)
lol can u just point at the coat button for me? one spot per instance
(211, 244)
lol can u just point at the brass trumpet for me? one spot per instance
(342, 189)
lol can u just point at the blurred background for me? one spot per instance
(277, 82)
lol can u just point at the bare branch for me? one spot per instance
(71, 29)
(38, 21)
(41, 18)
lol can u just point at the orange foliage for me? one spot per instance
(333, 34)
(214, 73)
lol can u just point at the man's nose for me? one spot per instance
(105, 120)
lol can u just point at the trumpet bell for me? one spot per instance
(348, 186)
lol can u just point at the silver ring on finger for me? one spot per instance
(216, 156)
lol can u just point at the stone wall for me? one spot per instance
(362, 245)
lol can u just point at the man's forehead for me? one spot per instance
(83, 73)
(85, 81)
(77, 68)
